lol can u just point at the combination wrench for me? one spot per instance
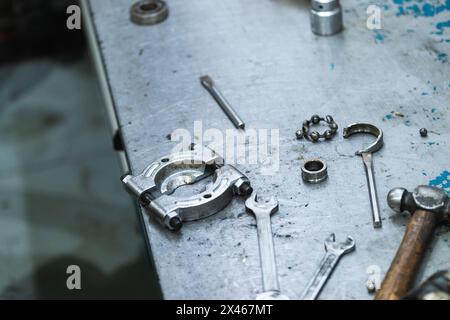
(334, 251)
(262, 211)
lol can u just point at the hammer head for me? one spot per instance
(426, 198)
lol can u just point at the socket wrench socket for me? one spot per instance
(326, 17)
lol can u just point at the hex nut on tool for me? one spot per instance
(314, 171)
(149, 12)
(242, 187)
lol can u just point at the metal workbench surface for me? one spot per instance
(276, 73)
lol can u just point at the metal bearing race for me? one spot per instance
(314, 171)
(315, 136)
(148, 12)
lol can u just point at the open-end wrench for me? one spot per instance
(262, 210)
(334, 251)
(366, 155)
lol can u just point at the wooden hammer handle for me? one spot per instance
(401, 275)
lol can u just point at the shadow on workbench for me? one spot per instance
(61, 201)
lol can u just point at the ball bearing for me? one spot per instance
(315, 119)
(315, 136)
(423, 132)
(328, 135)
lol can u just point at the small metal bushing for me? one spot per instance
(148, 12)
(314, 171)
(326, 17)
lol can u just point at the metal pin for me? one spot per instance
(208, 83)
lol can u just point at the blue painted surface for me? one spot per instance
(440, 26)
(442, 181)
(427, 8)
(442, 57)
(379, 36)
(421, 8)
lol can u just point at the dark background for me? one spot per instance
(61, 201)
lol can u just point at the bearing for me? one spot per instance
(314, 171)
(148, 12)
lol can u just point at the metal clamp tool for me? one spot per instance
(367, 158)
(155, 185)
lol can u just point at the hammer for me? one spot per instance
(429, 206)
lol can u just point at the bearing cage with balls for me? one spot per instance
(314, 136)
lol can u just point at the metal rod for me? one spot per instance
(367, 158)
(208, 83)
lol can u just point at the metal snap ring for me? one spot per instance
(315, 136)
(149, 12)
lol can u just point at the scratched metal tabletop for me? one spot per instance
(276, 73)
